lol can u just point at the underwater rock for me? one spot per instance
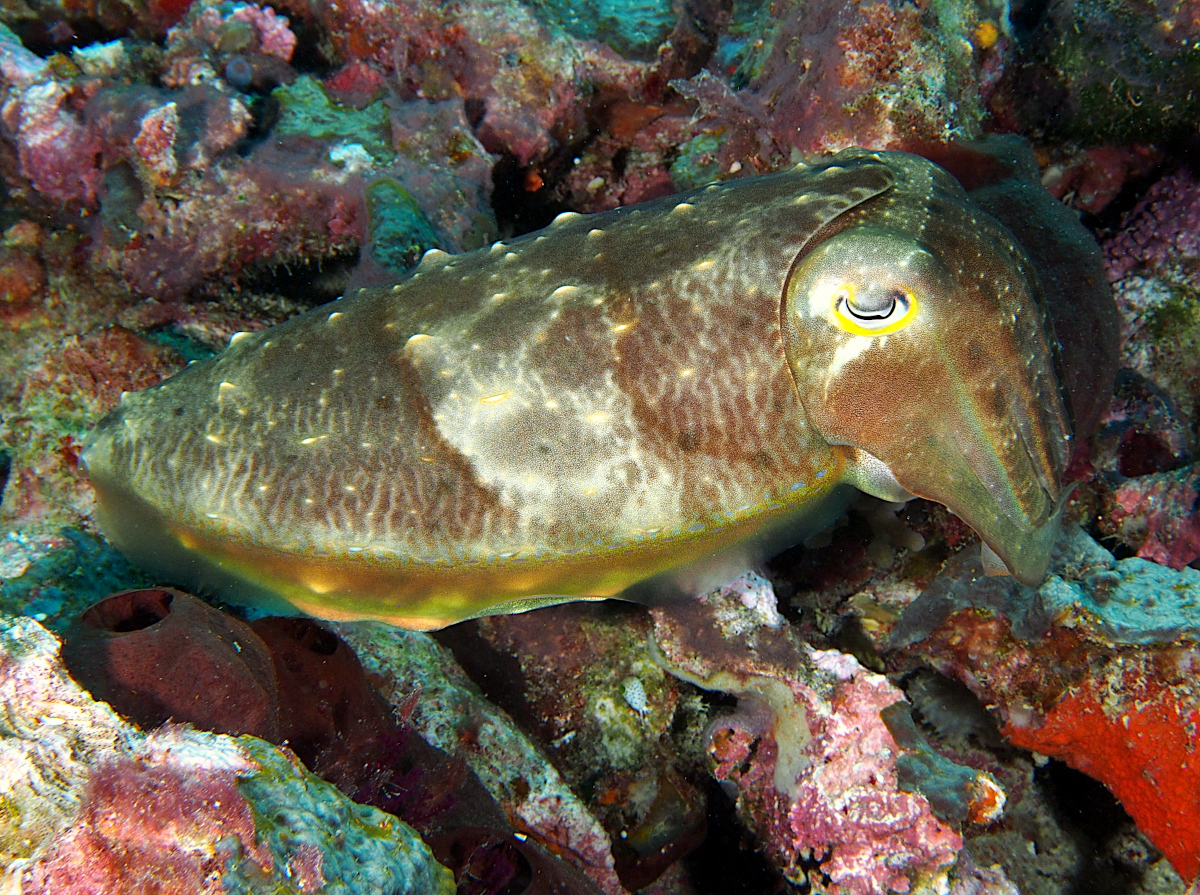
(811, 759)
(610, 733)
(1096, 668)
(418, 674)
(1143, 432)
(1090, 179)
(824, 76)
(1160, 322)
(344, 731)
(1152, 260)
(245, 43)
(306, 109)
(531, 84)
(96, 805)
(400, 232)
(188, 194)
(323, 709)
(631, 160)
(621, 702)
(22, 273)
(158, 655)
(57, 152)
(634, 28)
(1104, 71)
(57, 382)
(1157, 516)
(55, 577)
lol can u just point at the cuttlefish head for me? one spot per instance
(928, 357)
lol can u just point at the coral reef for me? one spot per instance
(812, 759)
(92, 804)
(610, 734)
(158, 655)
(175, 172)
(1093, 667)
(450, 713)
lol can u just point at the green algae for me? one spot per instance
(1172, 328)
(698, 161)
(400, 232)
(1176, 318)
(305, 109)
(1125, 78)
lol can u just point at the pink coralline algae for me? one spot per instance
(57, 151)
(146, 822)
(1164, 226)
(94, 805)
(1159, 516)
(200, 46)
(275, 38)
(533, 85)
(813, 762)
(848, 806)
(155, 142)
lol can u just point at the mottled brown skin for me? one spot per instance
(605, 407)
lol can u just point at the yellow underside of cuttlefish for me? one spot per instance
(636, 403)
(428, 594)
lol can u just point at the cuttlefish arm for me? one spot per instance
(623, 404)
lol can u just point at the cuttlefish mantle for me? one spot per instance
(645, 400)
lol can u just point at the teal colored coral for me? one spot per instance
(361, 849)
(698, 162)
(634, 28)
(1132, 600)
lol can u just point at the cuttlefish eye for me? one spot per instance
(875, 308)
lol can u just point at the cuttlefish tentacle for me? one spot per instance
(630, 403)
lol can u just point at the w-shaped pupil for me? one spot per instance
(874, 304)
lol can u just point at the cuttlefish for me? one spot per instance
(634, 403)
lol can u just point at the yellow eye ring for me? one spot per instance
(881, 319)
